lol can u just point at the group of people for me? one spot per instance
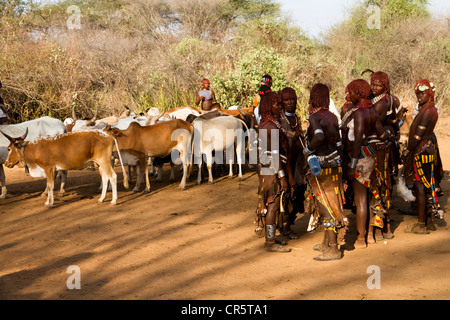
(335, 162)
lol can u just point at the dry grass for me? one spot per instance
(139, 55)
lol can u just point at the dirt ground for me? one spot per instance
(199, 244)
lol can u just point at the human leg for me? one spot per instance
(421, 201)
(271, 244)
(360, 198)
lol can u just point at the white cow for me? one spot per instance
(41, 127)
(220, 134)
(183, 112)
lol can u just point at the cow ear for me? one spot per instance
(114, 131)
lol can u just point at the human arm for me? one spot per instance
(423, 127)
(198, 98)
(318, 136)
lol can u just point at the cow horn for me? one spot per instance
(367, 70)
(14, 139)
(7, 136)
(74, 116)
(92, 121)
(151, 120)
(161, 114)
(24, 135)
(126, 113)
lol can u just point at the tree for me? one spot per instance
(401, 9)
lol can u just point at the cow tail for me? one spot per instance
(248, 141)
(191, 160)
(124, 172)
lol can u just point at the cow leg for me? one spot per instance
(152, 167)
(108, 175)
(199, 174)
(240, 155)
(139, 178)
(3, 182)
(159, 172)
(113, 181)
(147, 180)
(63, 176)
(45, 193)
(50, 185)
(144, 167)
(184, 159)
(209, 161)
(104, 184)
(172, 171)
(230, 164)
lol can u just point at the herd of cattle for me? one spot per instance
(46, 146)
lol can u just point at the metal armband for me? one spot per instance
(281, 174)
(353, 163)
(271, 230)
(318, 131)
(307, 152)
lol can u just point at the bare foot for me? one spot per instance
(275, 247)
(360, 244)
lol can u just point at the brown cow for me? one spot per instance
(69, 151)
(232, 112)
(158, 140)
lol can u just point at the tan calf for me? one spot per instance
(69, 151)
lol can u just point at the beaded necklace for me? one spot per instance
(378, 98)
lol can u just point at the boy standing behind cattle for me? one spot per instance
(206, 96)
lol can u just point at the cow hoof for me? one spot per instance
(49, 206)
(210, 182)
(113, 204)
(147, 191)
